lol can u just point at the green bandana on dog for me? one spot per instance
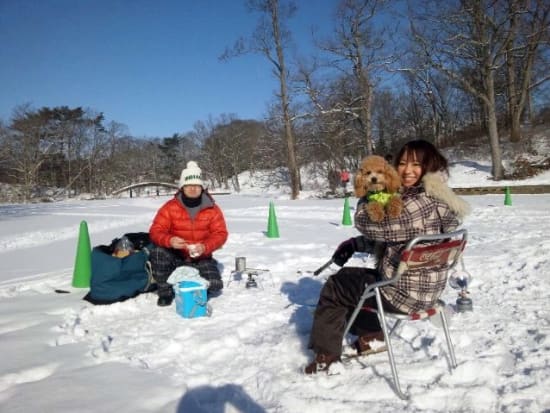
(382, 197)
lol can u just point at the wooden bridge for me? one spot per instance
(155, 185)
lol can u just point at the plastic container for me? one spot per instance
(123, 247)
(191, 299)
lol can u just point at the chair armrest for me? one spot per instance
(400, 270)
(369, 288)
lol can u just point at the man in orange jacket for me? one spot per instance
(186, 231)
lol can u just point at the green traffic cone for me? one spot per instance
(346, 217)
(507, 197)
(83, 264)
(272, 227)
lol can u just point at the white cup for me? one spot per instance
(193, 250)
(240, 264)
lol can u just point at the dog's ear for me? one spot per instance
(359, 184)
(394, 181)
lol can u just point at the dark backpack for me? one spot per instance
(117, 279)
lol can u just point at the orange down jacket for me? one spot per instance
(207, 227)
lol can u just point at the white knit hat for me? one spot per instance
(191, 175)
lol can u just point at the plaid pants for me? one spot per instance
(165, 260)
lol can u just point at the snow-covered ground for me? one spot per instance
(62, 354)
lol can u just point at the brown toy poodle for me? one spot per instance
(378, 182)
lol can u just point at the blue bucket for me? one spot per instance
(191, 299)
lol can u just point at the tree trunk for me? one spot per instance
(365, 113)
(515, 126)
(494, 142)
(366, 116)
(292, 164)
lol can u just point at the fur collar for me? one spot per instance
(435, 186)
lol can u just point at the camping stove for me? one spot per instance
(460, 281)
(251, 273)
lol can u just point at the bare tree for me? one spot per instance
(212, 156)
(6, 163)
(29, 146)
(528, 24)
(172, 159)
(358, 54)
(359, 44)
(466, 42)
(104, 153)
(432, 98)
(270, 39)
(267, 151)
(389, 121)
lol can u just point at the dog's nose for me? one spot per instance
(373, 179)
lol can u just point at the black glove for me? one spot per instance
(344, 251)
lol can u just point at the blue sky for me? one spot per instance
(152, 65)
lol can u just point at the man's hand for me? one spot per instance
(195, 250)
(177, 243)
(344, 251)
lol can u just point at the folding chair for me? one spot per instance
(443, 251)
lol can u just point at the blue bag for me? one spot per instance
(118, 279)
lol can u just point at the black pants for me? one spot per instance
(165, 260)
(338, 298)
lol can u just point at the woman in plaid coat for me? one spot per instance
(430, 207)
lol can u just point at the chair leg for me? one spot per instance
(382, 319)
(356, 311)
(448, 337)
(394, 327)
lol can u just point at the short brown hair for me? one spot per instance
(430, 159)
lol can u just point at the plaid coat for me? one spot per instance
(422, 214)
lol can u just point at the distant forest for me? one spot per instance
(456, 71)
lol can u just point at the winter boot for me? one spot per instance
(321, 362)
(370, 343)
(215, 285)
(166, 296)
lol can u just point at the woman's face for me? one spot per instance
(409, 169)
(192, 191)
